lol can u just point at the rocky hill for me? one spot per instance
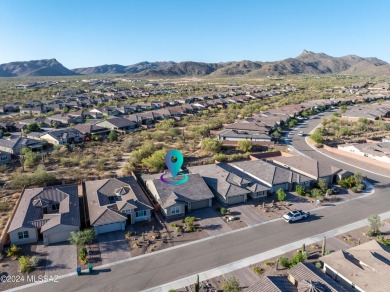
(306, 63)
(46, 67)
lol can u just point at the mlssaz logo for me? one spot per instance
(174, 161)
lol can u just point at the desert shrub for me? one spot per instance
(30, 159)
(300, 190)
(83, 254)
(374, 223)
(231, 285)
(189, 221)
(26, 264)
(257, 270)
(316, 193)
(86, 162)
(281, 195)
(284, 262)
(296, 259)
(318, 265)
(156, 161)
(130, 143)
(14, 251)
(37, 178)
(81, 238)
(220, 157)
(112, 136)
(166, 124)
(244, 145)
(211, 145)
(223, 211)
(317, 137)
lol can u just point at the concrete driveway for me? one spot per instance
(113, 247)
(210, 221)
(61, 258)
(247, 213)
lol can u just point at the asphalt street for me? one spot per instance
(140, 273)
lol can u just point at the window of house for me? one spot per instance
(141, 213)
(175, 210)
(23, 234)
(55, 206)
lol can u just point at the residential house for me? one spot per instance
(308, 167)
(63, 136)
(272, 284)
(377, 151)
(64, 119)
(365, 267)
(306, 277)
(50, 213)
(14, 144)
(122, 125)
(177, 200)
(78, 116)
(238, 135)
(229, 185)
(272, 175)
(89, 129)
(7, 126)
(114, 202)
(5, 157)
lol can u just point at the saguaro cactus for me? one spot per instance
(197, 286)
(323, 245)
(303, 247)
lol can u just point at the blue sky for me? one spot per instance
(82, 33)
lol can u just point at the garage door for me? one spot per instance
(235, 200)
(199, 204)
(108, 227)
(58, 237)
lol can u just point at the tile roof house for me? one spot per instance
(272, 175)
(377, 151)
(365, 267)
(306, 276)
(272, 284)
(238, 135)
(63, 136)
(115, 201)
(118, 124)
(14, 144)
(228, 184)
(50, 211)
(90, 129)
(308, 167)
(176, 200)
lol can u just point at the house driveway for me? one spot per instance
(113, 247)
(61, 258)
(210, 221)
(247, 213)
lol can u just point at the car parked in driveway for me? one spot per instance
(295, 216)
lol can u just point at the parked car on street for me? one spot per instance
(295, 216)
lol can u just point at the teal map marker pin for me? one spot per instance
(174, 161)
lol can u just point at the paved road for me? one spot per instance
(156, 269)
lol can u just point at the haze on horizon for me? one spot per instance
(90, 33)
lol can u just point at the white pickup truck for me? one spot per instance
(295, 216)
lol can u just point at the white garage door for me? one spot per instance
(58, 237)
(108, 227)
